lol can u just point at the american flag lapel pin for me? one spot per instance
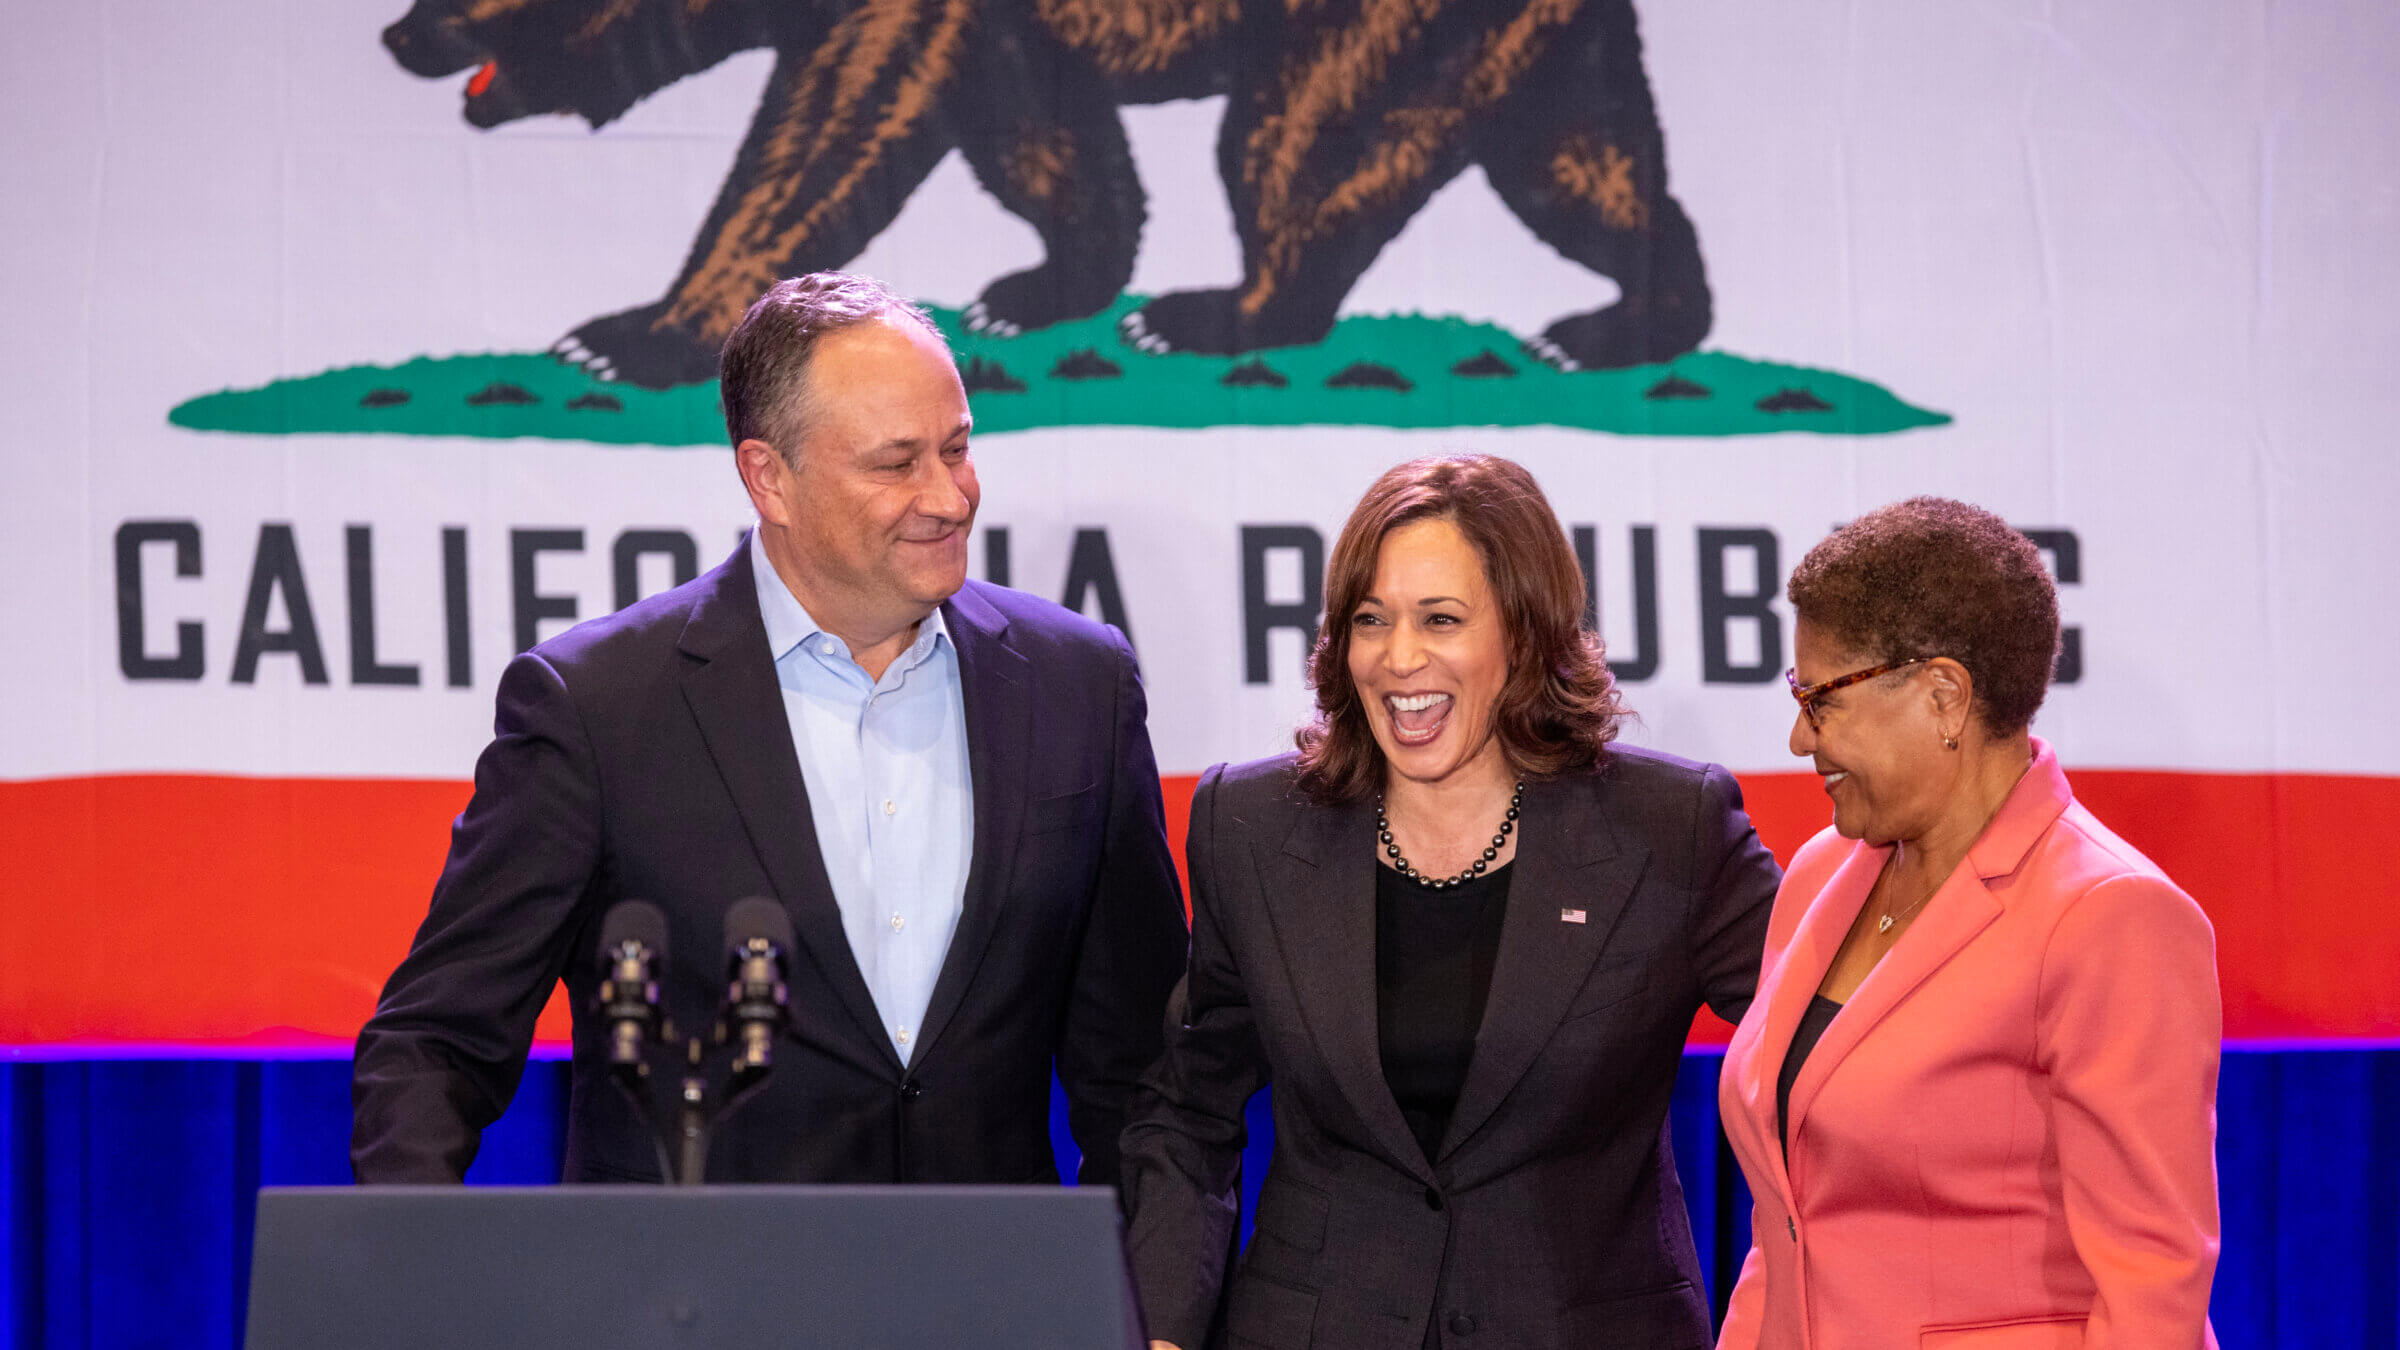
(1570, 916)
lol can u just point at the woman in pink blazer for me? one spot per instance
(1975, 1097)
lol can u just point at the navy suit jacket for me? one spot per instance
(1550, 1215)
(647, 755)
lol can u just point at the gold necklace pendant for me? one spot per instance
(1884, 924)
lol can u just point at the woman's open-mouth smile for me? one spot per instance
(1417, 719)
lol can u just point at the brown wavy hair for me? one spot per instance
(1559, 708)
(1934, 577)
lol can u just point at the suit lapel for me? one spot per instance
(1793, 981)
(1319, 884)
(1567, 858)
(729, 684)
(1960, 909)
(996, 681)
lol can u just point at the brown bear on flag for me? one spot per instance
(1342, 118)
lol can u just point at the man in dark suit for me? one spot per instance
(948, 785)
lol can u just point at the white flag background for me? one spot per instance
(288, 477)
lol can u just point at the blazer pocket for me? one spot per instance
(1671, 1318)
(1270, 1314)
(2050, 1331)
(1293, 1213)
(1064, 811)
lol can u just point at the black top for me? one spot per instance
(1433, 968)
(1812, 1026)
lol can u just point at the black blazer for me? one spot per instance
(648, 755)
(1551, 1215)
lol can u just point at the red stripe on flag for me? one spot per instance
(233, 913)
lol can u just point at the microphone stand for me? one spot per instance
(757, 1005)
(698, 1127)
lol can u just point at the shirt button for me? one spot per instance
(890, 807)
(827, 649)
(904, 1035)
(898, 923)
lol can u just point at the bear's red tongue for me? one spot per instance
(482, 79)
(1422, 719)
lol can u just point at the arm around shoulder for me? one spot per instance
(1736, 884)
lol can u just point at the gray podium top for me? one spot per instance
(525, 1268)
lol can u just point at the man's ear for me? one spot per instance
(766, 478)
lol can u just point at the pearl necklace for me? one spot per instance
(1383, 832)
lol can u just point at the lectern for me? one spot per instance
(588, 1267)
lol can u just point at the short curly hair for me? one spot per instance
(1559, 708)
(1934, 577)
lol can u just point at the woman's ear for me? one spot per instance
(1952, 689)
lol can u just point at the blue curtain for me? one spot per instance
(128, 1189)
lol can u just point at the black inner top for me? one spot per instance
(1812, 1026)
(1433, 968)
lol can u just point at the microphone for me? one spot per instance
(758, 937)
(633, 950)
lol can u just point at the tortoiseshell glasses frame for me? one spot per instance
(1808, 694)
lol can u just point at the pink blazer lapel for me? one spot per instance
(1797, 972)
(1960, 909)
(1963, 907)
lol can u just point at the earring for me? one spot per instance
(1949, 742)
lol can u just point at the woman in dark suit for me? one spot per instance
(1465, 937)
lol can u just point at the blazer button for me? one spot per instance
(1792, 1227)
(1462, 1324)
(1433, 1200)
(910, 1091)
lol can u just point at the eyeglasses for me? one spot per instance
(1808, 694)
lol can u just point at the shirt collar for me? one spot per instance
(789, 623)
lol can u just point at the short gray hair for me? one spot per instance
(762, 375)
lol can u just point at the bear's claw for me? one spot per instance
(637, 348)
(978, 319)
(1550, 354)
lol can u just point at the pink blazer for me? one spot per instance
(2006, 1139)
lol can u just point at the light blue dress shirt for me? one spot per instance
(885, 763)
